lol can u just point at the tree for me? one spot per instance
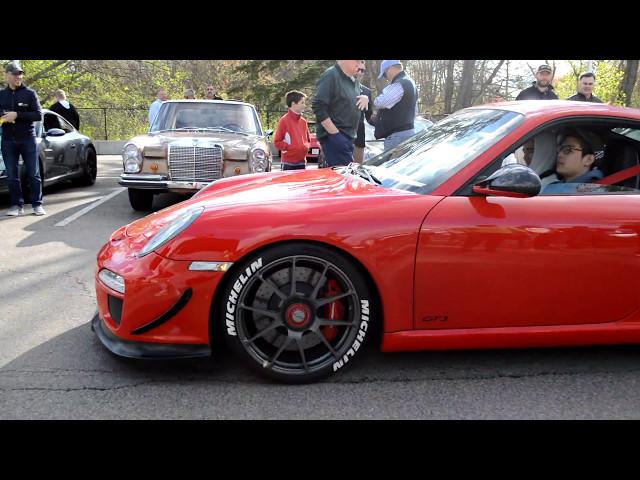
(629, 80)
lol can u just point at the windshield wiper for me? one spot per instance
(363, 172)
(197, 129)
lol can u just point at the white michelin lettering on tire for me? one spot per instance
(364, 326)
(235, 292)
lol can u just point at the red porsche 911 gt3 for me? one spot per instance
(505, 225)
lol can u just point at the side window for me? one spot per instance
(66, 126)
(50, 121)
(578, 157)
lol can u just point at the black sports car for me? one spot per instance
(64, 153)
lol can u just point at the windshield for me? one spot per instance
(223, 116)
(419, 124)
(424, 161)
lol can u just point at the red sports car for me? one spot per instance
(507, 225)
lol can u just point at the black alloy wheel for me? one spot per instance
(297, 312)
(89, 169)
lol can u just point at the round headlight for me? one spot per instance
(258, 161)
(131, 159)
(171, 230)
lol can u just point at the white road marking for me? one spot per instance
(95, 204)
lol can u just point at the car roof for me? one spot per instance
(564, 107)
(198, 100)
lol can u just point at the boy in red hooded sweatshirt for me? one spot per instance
(292, 135)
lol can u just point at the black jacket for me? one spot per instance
(69, 114)
(532, 93)
(360, 137)
(578, 97)
(25, 102)
(335, 98)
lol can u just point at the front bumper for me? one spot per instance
(142, 350)
(164, 302)
(158, 182)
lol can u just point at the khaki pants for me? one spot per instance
(358, 154)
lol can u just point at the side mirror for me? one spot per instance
(268, 133)
(55, 132)
(512, 180)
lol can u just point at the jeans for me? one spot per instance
(337, 149)
(11, 151)
(397, 137)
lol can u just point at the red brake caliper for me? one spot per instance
(333, 311)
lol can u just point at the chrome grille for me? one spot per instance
(195, 164)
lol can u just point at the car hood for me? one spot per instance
(229, 140)
(279, 189)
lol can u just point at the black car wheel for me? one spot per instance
(141, 200)
(89, 170)
(297, 312)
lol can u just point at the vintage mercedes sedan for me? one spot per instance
(190, 144)
(502, 226)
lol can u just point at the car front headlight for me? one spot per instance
(258, 161)
(171, 230)
(131, 159)
(112, 280)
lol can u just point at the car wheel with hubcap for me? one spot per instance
(297, 312)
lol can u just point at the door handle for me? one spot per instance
(73, 145)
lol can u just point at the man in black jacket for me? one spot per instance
(19, 109)
(360, 142)
(65, 109)
(586, 82)
(541, 88)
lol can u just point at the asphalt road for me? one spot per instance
(52, 366)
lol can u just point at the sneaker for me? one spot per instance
(15, 211)
(38, 210)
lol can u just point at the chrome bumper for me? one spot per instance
(157, 182)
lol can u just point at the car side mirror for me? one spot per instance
(55, 132)
(268, 133)
(513, 180)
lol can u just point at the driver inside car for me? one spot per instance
(576, 161)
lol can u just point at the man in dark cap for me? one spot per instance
(541, 88)
(19, 110)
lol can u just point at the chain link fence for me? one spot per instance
(113, 123)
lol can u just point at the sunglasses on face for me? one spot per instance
(567, 149)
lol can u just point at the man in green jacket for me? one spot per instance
(337, 105)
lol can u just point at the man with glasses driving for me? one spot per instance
(576, 161)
